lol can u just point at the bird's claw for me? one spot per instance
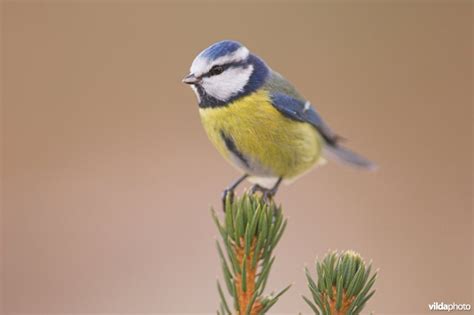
(268, 196)
(266, 193)
(255, 188)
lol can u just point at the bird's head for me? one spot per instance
(224, 72)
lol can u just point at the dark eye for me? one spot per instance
(216, 70)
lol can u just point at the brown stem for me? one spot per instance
(245, 297)
(346, 303)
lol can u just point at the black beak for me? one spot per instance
(191, 79)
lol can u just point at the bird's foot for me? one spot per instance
(267, 193)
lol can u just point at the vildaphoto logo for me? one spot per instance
(441, 306)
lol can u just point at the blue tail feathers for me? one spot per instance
(346, 156)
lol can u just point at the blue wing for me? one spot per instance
(300, 110)
(287, 101)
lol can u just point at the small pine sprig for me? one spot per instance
(250, 231)
(343, 284)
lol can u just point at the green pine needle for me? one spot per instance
(250, 230)
(313, 307)
(244, 274)
(223, 300)
(343, 284)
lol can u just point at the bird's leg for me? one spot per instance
(229, 191)
(268, 193)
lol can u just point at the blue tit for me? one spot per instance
(258, 121)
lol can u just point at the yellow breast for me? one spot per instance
(272, 144)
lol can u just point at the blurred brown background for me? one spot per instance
(108, 175)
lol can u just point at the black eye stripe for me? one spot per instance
(217, 69)
(223, 67)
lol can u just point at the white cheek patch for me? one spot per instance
(202, 65)
(228, 83)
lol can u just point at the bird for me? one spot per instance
(259, 122)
